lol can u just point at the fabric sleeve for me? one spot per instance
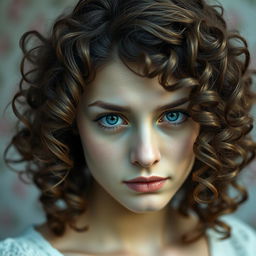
(244, 237)
(9, 247)
(12, 247)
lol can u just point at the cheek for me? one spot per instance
(94, 149)
(98, 153)
(182, 156)
(182, 146)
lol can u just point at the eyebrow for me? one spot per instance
(113, 107)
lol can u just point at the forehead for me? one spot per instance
(117, 83)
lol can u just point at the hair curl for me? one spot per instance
(185, 39)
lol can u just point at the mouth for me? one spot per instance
(146, 184)
(146, 179)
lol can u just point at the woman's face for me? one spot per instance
(129, 129)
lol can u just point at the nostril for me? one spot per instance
(145, 164)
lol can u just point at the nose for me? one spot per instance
(145, 152)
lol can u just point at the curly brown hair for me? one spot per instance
(185, 39)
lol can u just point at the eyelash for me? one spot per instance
(115, 128)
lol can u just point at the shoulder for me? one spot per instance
(29, 243)
(241, 243)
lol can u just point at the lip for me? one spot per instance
(146, 185)
(146, 179)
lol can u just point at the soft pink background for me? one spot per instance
(18, 202)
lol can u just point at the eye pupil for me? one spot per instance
(111, 119)
(172, 116)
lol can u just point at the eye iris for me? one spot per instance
(111, 119)
(172, 116)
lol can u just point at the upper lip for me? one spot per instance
(146, 179)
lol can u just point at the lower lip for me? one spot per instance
(146, 186)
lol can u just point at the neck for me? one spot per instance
(115, 229)
(117, 226)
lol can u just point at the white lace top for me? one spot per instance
(241, 243)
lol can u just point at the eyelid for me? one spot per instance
(177, 109)
(98, 117)
(182, 110)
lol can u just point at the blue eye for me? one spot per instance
(114, 121)
(175, 117)
(110, 121)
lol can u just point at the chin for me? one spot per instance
(146, 205)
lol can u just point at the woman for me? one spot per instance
(134, 124)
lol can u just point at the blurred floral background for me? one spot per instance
(18, 201)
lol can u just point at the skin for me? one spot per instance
(142, 146)
(146, 143)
